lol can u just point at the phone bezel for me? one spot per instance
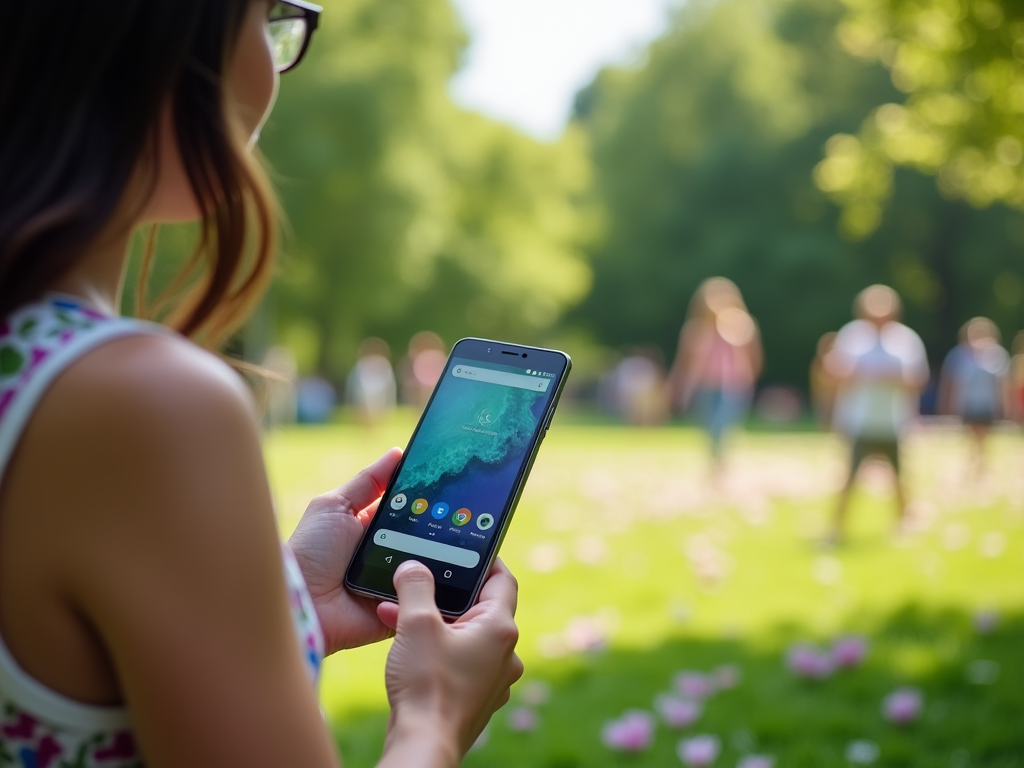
(496, 352)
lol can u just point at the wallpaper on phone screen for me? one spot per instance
(467, 454)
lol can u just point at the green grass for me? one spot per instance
(621, 535)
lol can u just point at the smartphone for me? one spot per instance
(452, 497)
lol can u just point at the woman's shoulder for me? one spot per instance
(144, 406)
(146, 378)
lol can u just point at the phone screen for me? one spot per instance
(449, 502)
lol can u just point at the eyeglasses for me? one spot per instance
(291, 24)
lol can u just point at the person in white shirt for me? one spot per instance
(880, 367)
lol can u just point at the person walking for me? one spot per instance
(371, 389)
(822, 384)
(975, 383)
(1017, 378)
(717, 362)
(880, 368)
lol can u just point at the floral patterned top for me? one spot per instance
(40, 728)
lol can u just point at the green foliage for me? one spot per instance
(960, 67)
(705, 160)
(407, 212)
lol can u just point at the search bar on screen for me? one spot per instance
(491, 376)
(435, 550)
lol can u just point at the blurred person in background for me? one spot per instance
(315, 400)
(975, 383)
(1017, 378)
(823, 384)
(717, 362)
(880, 369)
(370, 388)
(281, 398)
(420, 369)
(638, 384)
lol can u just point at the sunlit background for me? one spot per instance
(567, 173)
(527, 60)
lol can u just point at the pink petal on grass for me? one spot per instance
(699, 751)
(808, 662)
(849, 651)
(677, 712)
(584, 634)
(693, 685)
(632, 732)
(902, 706)
(522, 719)
(756, 761)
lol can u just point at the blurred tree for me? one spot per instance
(959, 65)
(704, 158)
(408, 213)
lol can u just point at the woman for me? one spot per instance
(718, 360)
(147, 615)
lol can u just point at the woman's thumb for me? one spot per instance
(414, 584)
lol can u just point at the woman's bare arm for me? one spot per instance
(173, 557)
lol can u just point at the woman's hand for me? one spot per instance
(324, 542)
(444, 681)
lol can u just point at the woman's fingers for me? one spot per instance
(516, 670)
(366, 514)
(388, 614)
(501, 587)
(366, 487)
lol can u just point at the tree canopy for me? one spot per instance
(959, 113)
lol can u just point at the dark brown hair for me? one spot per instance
(82, 87)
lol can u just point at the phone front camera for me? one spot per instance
(524, 354)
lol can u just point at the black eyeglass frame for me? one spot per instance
(305, 10)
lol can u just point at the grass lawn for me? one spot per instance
(632, 568)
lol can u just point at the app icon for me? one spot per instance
(484, 522)
(439, 511)
(462, 516)
(419, 506)
(398, 501)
